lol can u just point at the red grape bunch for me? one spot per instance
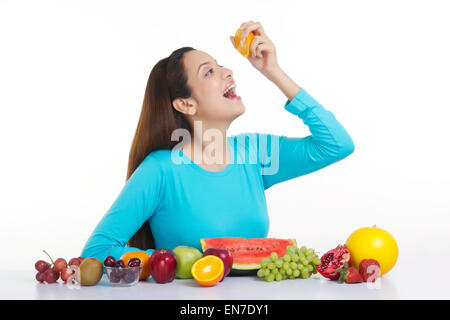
(51, 272)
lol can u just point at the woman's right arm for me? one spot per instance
(139, 199)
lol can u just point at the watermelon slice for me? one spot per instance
(247, 253)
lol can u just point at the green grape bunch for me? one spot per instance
(296, 263)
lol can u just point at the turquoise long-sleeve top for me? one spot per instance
(185, 203)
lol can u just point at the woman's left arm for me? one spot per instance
(292, 157)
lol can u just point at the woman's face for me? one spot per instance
(208, 81)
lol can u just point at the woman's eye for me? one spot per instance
(211, 70)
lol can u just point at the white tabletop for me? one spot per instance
(403, 282)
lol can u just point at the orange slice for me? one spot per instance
(243, 45)
(207, 271)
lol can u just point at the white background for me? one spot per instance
(72, 81)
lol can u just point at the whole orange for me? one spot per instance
(143, 256)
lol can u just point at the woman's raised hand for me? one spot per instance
(262, 50)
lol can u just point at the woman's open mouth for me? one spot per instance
(230, 93)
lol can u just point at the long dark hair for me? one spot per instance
(158, 119)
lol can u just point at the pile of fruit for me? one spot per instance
(51, 272)
(186, 262)
(89, 271)
(336, 265)
(119, 272)
(367, 254)
(84, 271)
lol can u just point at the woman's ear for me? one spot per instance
(184, 106)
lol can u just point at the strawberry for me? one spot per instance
(349, 275)
(369, 270)
(353, 276)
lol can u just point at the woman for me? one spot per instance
(177, 193)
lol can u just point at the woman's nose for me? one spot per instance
(227, 72)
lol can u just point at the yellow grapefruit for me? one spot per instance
(373, 243)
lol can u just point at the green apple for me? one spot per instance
(186, 257)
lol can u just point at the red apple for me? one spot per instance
(226, 257)
(163, 264)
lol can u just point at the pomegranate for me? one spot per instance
(332, 261)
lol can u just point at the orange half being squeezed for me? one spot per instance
(243, 45)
